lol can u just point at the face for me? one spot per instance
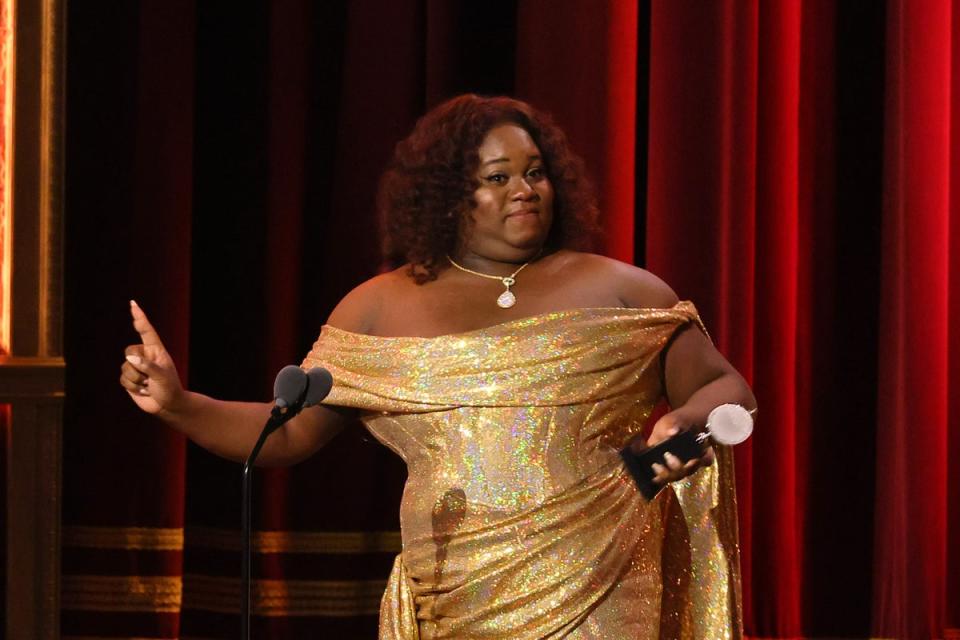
(514, 200)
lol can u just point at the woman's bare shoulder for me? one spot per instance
(634, 286)
(359, 309)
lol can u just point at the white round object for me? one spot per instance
(730, 424)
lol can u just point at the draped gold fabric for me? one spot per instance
(518, 519)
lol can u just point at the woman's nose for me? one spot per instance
(524, 190)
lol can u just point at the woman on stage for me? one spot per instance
(508, 369)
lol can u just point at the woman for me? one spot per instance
(508, 370)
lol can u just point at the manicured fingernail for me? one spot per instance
(673, 431)
(133, 303)
(134, 360)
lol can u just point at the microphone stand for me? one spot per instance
(277, 418)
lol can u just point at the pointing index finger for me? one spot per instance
(147, 333)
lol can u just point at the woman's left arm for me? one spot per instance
(698, 379)
(696, 376)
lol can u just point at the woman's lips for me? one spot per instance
(523, 213)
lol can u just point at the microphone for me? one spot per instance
(319, 384)
(295, 389)
(726, 424)
(290, 384)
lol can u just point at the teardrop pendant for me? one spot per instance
(506, 299)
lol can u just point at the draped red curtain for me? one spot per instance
(746, 151)
(592, 46)
(786, 165)
(917, 330)
(725, 160)
(130, 190)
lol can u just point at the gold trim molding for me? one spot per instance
(173, 539)
(161, 594)
(330, 542)
(32, 372)
(37, 171)
(270, 598)
(273, 598)
(124, 538)
(31, 378)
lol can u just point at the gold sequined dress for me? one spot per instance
(518, 519)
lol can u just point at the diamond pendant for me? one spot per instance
(507, 299)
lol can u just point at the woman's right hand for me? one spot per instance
(149, 374)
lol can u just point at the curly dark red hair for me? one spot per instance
(429, 185)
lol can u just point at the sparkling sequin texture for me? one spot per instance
(518, 520)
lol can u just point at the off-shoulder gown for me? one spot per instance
(518, 518)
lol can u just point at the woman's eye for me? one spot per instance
(536, 172)
(497, 178)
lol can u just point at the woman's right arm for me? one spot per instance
(228, 429)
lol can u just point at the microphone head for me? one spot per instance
(320, 382)
(730, 424)
(289, 386)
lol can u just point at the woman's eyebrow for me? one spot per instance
(496, 160)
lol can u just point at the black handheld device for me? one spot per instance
(684, 445)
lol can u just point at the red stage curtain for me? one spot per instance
(953, 366)
(917, 328)
(130, 177)
(722, 227)
(745, 151)
(592, 46)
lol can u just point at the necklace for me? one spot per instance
(506, 299)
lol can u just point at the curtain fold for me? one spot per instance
(592, 46)
(762, 205)
(914, 387)
(953, 371)
(734, 178)
(129, 169)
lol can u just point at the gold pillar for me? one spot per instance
(32, 368)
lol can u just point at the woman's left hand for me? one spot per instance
(670, 424)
